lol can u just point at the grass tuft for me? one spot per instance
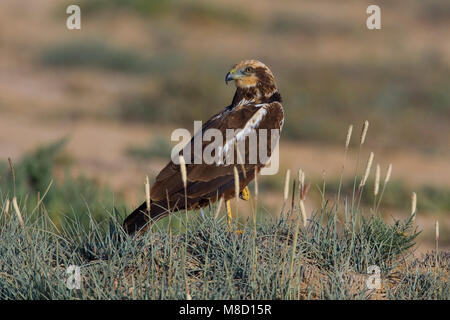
(330, 260)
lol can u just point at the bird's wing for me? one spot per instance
(207, 179)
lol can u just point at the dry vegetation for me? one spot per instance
(201, 258)
(321, 253)
(138, 69)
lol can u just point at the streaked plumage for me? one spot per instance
(256, 105)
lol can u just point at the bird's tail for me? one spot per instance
(140, 219)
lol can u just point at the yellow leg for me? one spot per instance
(229, 213)
(245, 194)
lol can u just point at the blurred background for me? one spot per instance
(92, 110)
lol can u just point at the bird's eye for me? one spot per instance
(248, 69)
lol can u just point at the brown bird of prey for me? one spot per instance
(256, 105)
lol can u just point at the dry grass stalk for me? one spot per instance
(147, 193)
(303, 190)
(347, 144)
(388, 174)
(386, 180)
(236, 183)
(7, 207)
(364, 132)
(241, 160)
(286, 184)
(303, 212)
(236, 190)
(256, 196)
(19, 215)
(413, 205)
(168, 201)
(219, 206)
(13, 174)
(349, 135)
(437, 230)
(303, 187)
(366, 173)
(437, 243)
(256, 183)
(183, 171)
(377, 181)
(293, 195)
(301, 179)
(184, 179)
(364, 179)
(437, 236)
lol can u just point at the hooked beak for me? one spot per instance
(228, 77)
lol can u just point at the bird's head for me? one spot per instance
(250, 73)
(254, 82)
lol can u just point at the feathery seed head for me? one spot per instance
(286, 184)
(413, 203)
(301, 178)
(388, 173)
(183, 171)
(301, 183)
(303, 212)
(377, 180)
(19, 215)
(364, 131)
(349, 135)
(236, 183)
(147, 193)
(366, 174)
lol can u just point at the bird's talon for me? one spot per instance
(245, 194)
